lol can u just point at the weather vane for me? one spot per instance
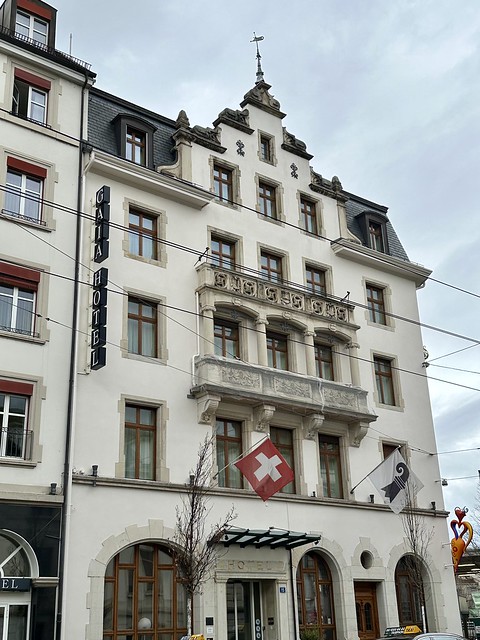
(258, 39)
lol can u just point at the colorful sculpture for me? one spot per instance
(460, 528)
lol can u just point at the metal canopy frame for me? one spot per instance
(273, 538)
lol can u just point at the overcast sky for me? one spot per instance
(385, 94)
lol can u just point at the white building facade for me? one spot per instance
(225, 289)
(42, 98)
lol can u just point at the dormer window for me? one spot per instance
(31, 27)
(374, 229)
(135, 139)
(135, 146)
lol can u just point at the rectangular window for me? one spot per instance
(223, 183)
(223, 253)
(315, 280)
(376, 304)
(330, 466)
(283, 440)
(267, 200)
(277, 351)
(142, 327)
(140, 442)
(271, 266)
(30, 94)
(388, 449)
(31, 27)
(18, 291)
(142, 235)
(226, 338)
(375, 236)
(23, 197)
(384, 380)
(266, 149)
(308, 211)
(14, 404)
(135, 146)
(229, 449)
(324, 361)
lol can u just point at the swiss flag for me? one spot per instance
(266, 469)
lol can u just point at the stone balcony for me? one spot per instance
(267, 390)
(280, 297)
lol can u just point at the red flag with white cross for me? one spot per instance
(266, 469)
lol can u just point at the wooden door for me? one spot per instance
(367, 612)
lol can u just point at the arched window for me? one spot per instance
(144, 596)
(15, 573)
(409, 587)
(315, 598)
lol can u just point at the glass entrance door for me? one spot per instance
(244, 611)
(13, 621)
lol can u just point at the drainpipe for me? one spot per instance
(294, 608)
(67, 479)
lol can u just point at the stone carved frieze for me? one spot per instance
(292, 388)
(344, 398)
(234, 118)
(285, 297)
(241, 378)
(294, 145)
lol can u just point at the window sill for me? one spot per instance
(278, 221)
(150, 359)
(35, 339)
(155, 263)
(226, 203)
(379, 325)
(17, 462)
(41, 225)
(392, 407)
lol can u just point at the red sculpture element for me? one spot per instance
(460, 527)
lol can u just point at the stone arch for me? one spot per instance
(154, 531)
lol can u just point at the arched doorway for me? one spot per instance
(15, 586)
(144, 597)
(409, 585)
(316, 616)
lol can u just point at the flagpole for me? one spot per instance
(370, 472)
(242, 455)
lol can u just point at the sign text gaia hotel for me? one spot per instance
(98, 337)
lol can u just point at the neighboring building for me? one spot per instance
(246, 296)
(42, 94)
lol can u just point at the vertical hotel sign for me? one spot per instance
(98, 338)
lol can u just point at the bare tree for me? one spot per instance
(419, 536)
(196, 555)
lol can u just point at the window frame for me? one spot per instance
(376, 307)
(224, 340)
(21, 278)
(374, 228)
(32, 19)
(221, 183)
(125, 121)
(324, 458)
(138, 428)
(322, 585)
(22, 106)
(141, 319)
(268, 204)
(287, 449)
(225, 476)
(134, 295)
(22, 389)
(139, 580)
(274, 340)
(266, 270)
(220, 258)
(319, 348)
(387, 374)
(315, 288)
(139, 231)
(309, 216)
(266, 148)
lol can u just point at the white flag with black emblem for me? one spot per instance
(395, 482)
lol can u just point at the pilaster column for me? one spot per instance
(261, 329)
(207, 330)
(354, 368)
(310, 353)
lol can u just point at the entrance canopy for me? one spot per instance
(273, 538)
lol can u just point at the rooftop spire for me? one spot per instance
(260, 77)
